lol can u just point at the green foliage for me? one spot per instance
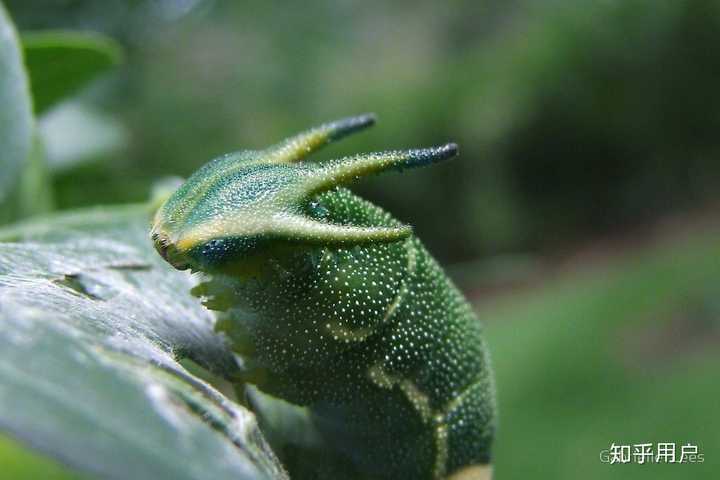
(61, 62)
(20, 463)
(600, 115)
(16, 122)
(93, 328)
(624, 353)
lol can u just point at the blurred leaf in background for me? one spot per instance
(16, 121)
(61, 62)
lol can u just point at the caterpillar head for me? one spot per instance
(244, 205)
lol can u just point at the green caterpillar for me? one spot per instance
(368, 361)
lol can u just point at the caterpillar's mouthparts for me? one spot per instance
(168, 251)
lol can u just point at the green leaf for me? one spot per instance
(19, 463)
(61, 62)
(94, 327)
(34, 192)
(16, 121)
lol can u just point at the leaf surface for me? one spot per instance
(93, 326)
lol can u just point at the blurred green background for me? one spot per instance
(580, 218)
